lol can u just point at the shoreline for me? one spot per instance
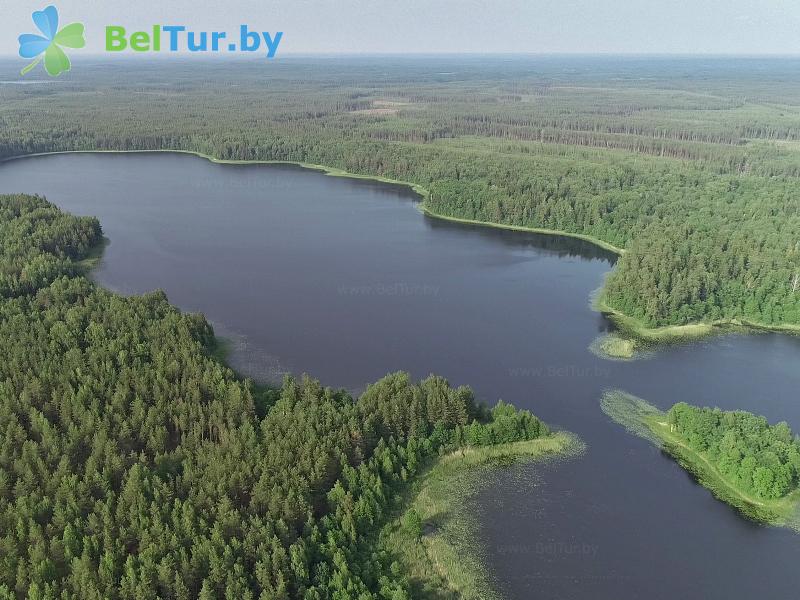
(329, 171)
(669, 334)
(628, 325)
(554, 232)
(649, 422)
(444, 559)
(772, 512)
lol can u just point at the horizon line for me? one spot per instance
(474, 54)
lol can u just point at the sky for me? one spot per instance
(449, 26)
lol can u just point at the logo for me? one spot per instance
(48, 46)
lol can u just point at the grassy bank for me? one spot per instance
(597, 242)
(647, 421)
(445, 562)
(676, 333)
(633, 335)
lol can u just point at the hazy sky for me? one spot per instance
(429, 26)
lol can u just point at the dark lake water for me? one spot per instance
(347, 280)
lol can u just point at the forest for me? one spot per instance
(134, 465)
(750, 453)
(689, 166)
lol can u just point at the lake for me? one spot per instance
(346, 280)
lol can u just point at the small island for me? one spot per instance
(738, 456)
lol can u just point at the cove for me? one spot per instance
(293, 267)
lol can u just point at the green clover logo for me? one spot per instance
(48, 45)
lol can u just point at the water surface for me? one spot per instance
(347, 280)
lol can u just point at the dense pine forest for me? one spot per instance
(754, 456)
(134, 465)
(691, 165)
